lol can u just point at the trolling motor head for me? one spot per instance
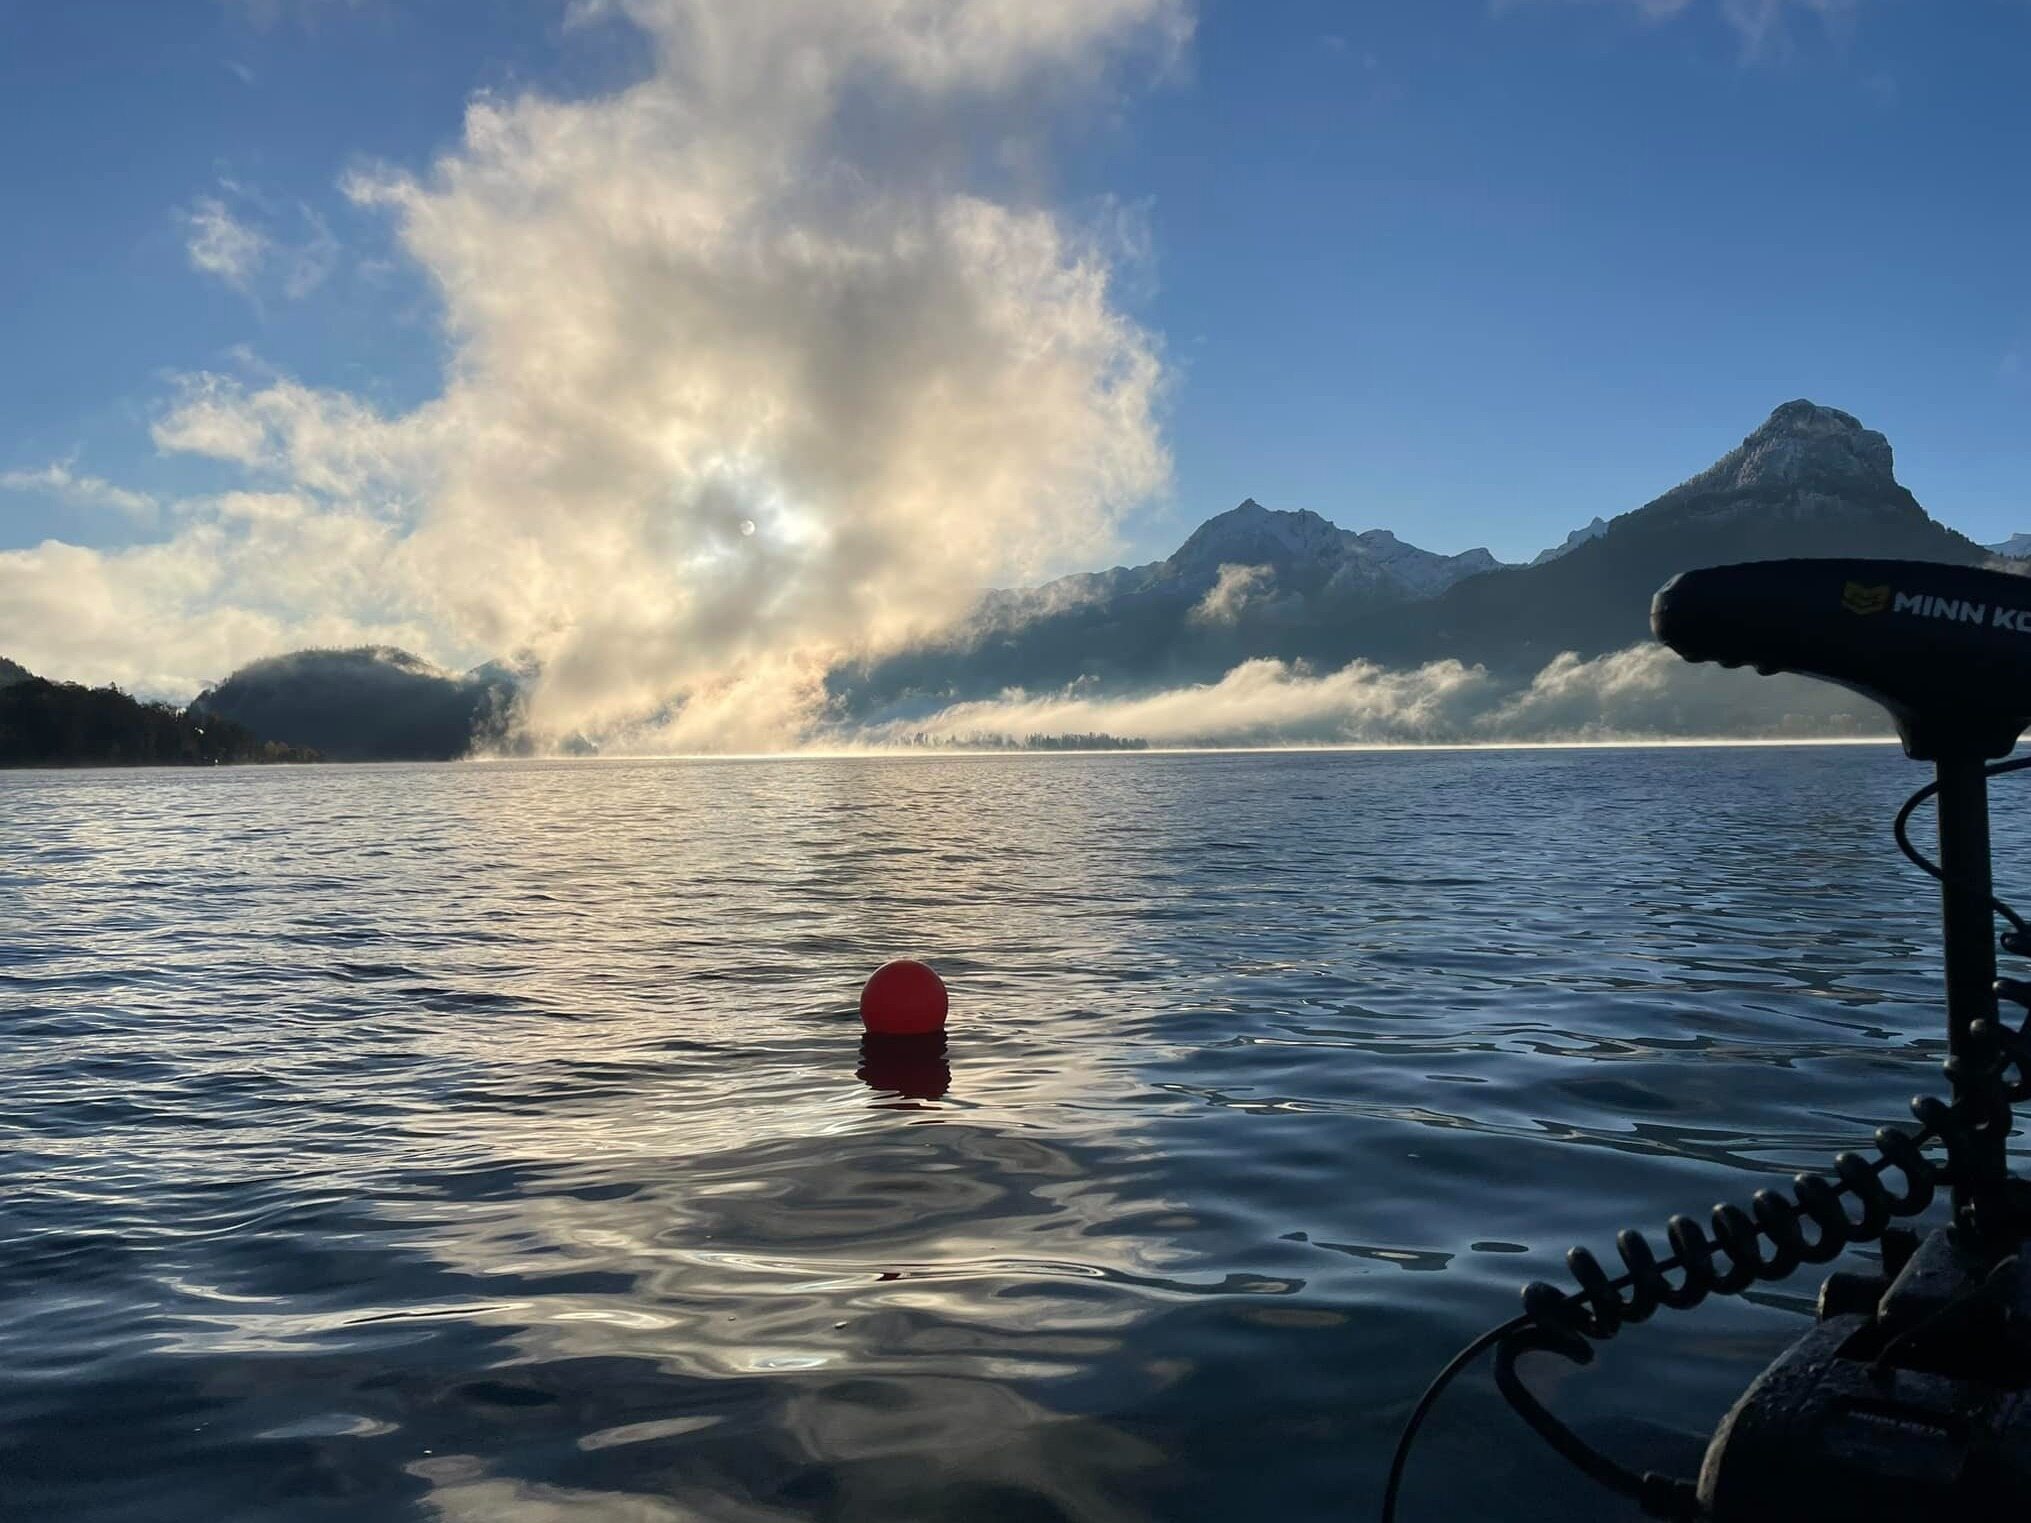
(1946, 649)
(1913, 1392)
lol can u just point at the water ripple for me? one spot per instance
(496, 1142)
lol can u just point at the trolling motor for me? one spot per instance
(1913, 1389)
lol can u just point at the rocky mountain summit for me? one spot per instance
(1804, 447)
(1302, 547)
(1805, 460)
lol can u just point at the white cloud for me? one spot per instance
(324, 442)
(1234, 587)
(246, 575)
(57, 479)
(232, 237)
(221, 245)
(1762, 25)
(211, 420)
(762, 284)
(1643, 692)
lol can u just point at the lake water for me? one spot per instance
(491, 1142)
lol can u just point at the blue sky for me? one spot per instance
(1475, 272)
(1478, 274)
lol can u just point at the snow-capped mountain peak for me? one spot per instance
(1254, 535)
(1300, 544)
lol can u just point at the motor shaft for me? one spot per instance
(1966, 894)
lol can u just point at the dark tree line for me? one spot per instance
(63, 724)
(995, 741)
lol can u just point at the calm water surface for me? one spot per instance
(493, 1142)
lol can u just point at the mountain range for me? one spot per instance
(1253, 583)
(1249, 583)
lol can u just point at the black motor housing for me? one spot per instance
(1916, 1405)
(1946, 649)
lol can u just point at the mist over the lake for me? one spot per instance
(1642, 693)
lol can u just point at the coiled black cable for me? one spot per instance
(1562, 1322)
(1604, 1305)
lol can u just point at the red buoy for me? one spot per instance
(903, 998)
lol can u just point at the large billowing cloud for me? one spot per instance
(799, 277)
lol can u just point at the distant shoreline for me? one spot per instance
(919, 753)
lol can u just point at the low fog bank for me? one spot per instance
(374, 703)
(1641, 693)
